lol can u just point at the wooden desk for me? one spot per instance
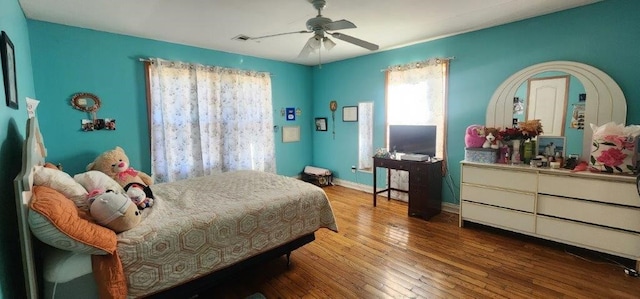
(425, 185)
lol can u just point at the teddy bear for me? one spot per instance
(474, 136)
(491, 138)
(115, 164)
(113, 210)
(140, 194)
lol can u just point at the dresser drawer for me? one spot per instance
(498, 197)
(501, 178)
(498, 217)
(592, 212)
(591, 189)
(622, 243)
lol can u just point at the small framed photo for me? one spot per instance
(110, 123)
(350, 113)
(9, 70)
(551, 145)
(87, 125)
(321, 123)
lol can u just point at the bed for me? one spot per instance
(199, 231)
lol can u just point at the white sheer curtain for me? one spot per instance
(206, 119)
(416, 95)
(365, 136)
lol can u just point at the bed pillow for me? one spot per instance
(63, 183)
(94, 179)
(55, 220)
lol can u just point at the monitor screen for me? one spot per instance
(413, 139)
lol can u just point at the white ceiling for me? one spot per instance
(213, 24)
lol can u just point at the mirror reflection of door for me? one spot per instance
(547, 101)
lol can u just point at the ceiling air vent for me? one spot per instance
(241, 37)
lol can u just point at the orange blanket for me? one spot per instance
(109, 276)
(78, 225)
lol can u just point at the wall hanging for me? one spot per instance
(9, 70)
(350, 113)
(333, 106)
(290, 133)
(321, 123)
(90, 103)
(291, 114)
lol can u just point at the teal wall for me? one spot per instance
(69, 60)
(604, 35)
(12, 131)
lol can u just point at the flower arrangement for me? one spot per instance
(525, 131)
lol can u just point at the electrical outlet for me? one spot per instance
(353, 169)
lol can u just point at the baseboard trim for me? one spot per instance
(446, 206)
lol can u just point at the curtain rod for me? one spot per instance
(151, 61)
(418, 62)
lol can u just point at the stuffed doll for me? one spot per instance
(491, 138)
(113, 210)
(474, 136)
(115, 164)
(140, 194)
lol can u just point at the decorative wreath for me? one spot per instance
(76, 102)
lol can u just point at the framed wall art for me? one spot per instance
(9, 70)
(321, 123)
(350, 113)
(290, 133)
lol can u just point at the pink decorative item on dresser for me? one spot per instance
(474, 136)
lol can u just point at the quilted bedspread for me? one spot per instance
(199, 225)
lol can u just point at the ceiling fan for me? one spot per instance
(321, 27)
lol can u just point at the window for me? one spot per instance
(365, 136)
(206, 119)
(416, 95)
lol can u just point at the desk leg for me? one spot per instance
(388, 184)
(374, 185)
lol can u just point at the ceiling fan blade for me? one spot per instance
(306, 50)
(278, 34)
(355, 41)
(338, 25)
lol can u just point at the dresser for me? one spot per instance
(590, 210)
(425, 185)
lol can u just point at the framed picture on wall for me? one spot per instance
(9, 70)
(350, 113)
(290, 133)
(321, 123)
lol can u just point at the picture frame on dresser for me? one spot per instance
(550, 145)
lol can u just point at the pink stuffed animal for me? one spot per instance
(474, 137)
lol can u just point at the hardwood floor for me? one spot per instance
(381, 252)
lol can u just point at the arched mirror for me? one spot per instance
(561, 98)
(604, 103)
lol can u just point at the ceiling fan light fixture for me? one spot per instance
(314, 42)
(328, 44)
